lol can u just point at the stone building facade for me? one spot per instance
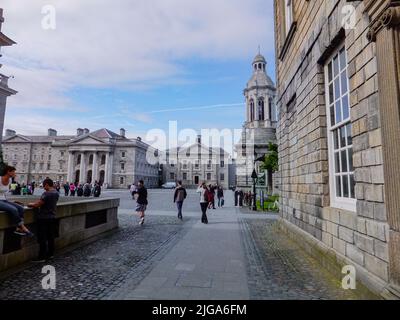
(195, 164)
(338, 93)
(5, 90)
(102, 155)
(259, 128)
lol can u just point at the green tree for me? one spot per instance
(271, 158)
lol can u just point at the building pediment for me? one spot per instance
(88, 140)
(16, 139)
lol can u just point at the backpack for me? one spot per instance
(206, 194)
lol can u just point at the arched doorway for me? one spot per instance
(102, 174)
(89, 176)
(77, 175)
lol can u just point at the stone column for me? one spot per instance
(106, 169)
(95, 168)
(70, 174)
(385, 31)
(110, 169)
(82, 169)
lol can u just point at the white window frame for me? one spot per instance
(348, 204)
(288, 15)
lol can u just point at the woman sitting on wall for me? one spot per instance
(14, 209)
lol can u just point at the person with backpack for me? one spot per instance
(180, 196)
(204, 193)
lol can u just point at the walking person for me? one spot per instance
(220, 195)
(202, 189)
(180, 196)
(33, 185)
(45, 209)
(14, 209)
(141, 202)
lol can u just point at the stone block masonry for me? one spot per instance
(78, 221)
(355, 229)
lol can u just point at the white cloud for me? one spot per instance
(133, 45)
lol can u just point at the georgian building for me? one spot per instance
(5, 90)
(195, 164)
(339, 129)
(260, 126)
(104, 156)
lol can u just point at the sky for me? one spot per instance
(132, 64)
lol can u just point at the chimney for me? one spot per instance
(122, 132)
(52, 133)
(1, 17)
(86, 131)
(139, 139)
(9, 132)
(199, 139)
(79, 132)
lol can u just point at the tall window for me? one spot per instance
(251, 110)
(339, 128)
(288, 15)
(208, 176)
(261, 112)
(184, 176)
(222, 177)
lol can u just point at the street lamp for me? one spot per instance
(254, 177)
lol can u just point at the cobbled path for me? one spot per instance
(96, 270)
(279, 270)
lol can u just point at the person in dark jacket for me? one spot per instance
(79, 191)
(220, 195)
(141, 202)
(97, 190)
(45, 209)
(87, 190)
(180, 196)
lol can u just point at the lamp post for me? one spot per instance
(254, 177)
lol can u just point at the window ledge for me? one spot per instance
(288, 41)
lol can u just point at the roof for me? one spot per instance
(105, 133)
(5, 41)
(260, 79)
(259, 58)
(39, 139)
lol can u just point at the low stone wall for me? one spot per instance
(78, 220)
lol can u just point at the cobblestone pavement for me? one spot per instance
(278, 269)
(93, 271)
(239, 255)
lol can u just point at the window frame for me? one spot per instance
(349, 204)
(289, 18)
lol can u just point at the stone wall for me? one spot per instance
(78, 221)
(361, 236)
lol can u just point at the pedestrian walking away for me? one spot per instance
(141, 202)
(179, 197)
(202, 189)
(220, 195)
(13, 208)
(45, 210)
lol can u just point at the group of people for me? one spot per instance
(44, 208)
(82, 190)
(207, 198)
(17, 189)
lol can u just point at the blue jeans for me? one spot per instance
(15, 211)
(179, 204)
